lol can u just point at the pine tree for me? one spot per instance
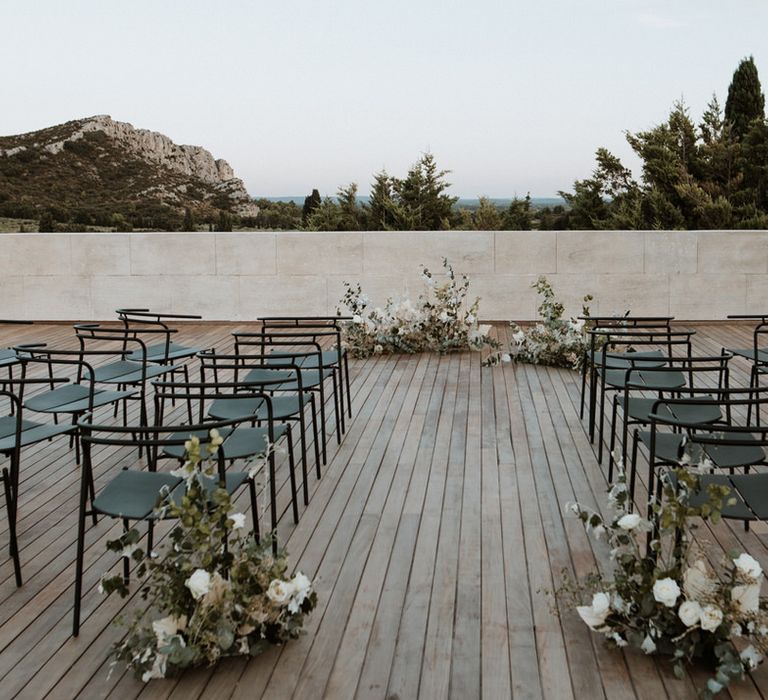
(351, 214)
(225, 221)
(518, 215)
(420, 200)
(487, 216)
(746, 101)
(325, 217)
(380, 203)
(310, 204)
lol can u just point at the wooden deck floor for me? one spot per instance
(433, 537)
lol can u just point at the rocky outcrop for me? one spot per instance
(192, 162)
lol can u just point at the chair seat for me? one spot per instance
(31, 432)
(725, 457)
(234, 480)
(134, 494)
(8, 357)
(650, 380)
(752, 488)
(159, 352)
(238, 444)
(128, 372)
(73, 398)
(640, 408)
(738, 510)
(749, 353)
(328, 358)
(309, 379)
(625, 360)
(268, 376)
(284, 406)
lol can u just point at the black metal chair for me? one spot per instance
(674, 380)
(247, 441)
(249, 373)
(608, 377)
(336, 357)
(78, 395)
(17, 432)
(166, 352)
(757, 355)
(134, 494)
(293, 350)
(671, 435)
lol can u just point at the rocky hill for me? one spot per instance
(97, 171)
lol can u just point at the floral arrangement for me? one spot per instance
(439, 321)
(668, 599)
(212, 590)
(553, 341)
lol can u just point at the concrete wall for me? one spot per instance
(240, 276)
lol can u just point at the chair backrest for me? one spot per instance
(304, 336)
(694, 371)
(207, 391)
(216, 367)
(759, 330)
(152, 438)
(628, 321)
(132, 317)
(621, 341)
(89, 334)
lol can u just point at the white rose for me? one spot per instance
(198, 583)
(629, 521)
(666, 592)
(648, 646)
(690, 613)
(357, 318)
(751, 657)
(378, 349)
(164, 628)
(594, 615)
(697, 583)
(238, 521)
(711, 617)
(506, 357)
(444, 316)
(747, 597)
(601, 603)
(157, 670)
(748, 566)
(279, 591)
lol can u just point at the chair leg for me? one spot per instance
(273, 500)
(254, 509)
(292, 470)
(303, 445)
(189, 400)
(150, 536)
(349, 388)
(79, 557)
(614, 411)
(14, 544)
(315, 435)
(342, 410)
(322, 423)
(583, 388)
(336, 408)
(633, 466)
(601, 426)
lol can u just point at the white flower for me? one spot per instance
(506, 357)
(748, 566)
(618, 639)
(238, 521)
(243, 647)
(690, 613)
(168, 626)
(594, 615)
(357, 318)
(519, 337)
(185, 471)
(444, 316)
(751, 657)
(279, 591)
(302, 587)
(470, 319)
(697, 583)
(666, 592)
(711, 617)
(747, 597)
(648, 646)
(199, 583)
(598, 532)
(378, 349)
(157, 670)
(629, 521)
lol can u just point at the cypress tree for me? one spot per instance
(189, 221)
(746, 101)
(310, 204)
(47, 224)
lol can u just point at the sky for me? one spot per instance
(511, 96)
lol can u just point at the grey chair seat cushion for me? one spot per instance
(128, 372)
(639, 409)
(73, 398)
(284, 406)
(31, 432)
(723, 457)
(159, 352)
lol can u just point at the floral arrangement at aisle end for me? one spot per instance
(553, 341)
(439, 321)
(206, 600)
(670, 601)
